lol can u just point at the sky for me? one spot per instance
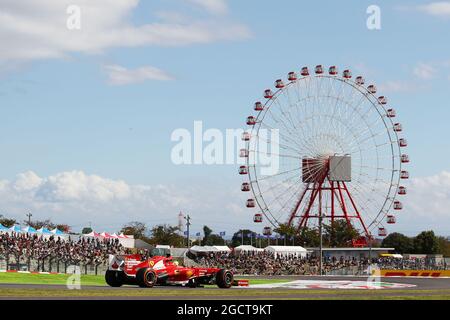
(87, 114)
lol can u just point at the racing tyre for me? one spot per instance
(146, 278)
(224, 278)
(114, 278)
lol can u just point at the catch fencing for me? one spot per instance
(51, 265)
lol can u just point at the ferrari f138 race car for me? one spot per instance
(134, 269)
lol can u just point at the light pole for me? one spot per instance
(29, 215)
(188, 223)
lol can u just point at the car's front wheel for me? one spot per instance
(146, 278)
(224, 278)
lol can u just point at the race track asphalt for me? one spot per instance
(422, 287)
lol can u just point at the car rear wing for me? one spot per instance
(125, 262)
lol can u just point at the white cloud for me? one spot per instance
(213, 6)
(441, 8)
(398, 86)
(118, 75)
(76, 198)
(427, 204)
(37, 29)
(424, 71)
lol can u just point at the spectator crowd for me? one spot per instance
(20, 247)
(266, 263)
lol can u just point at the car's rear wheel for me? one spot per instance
(114, 278)
(224, 278)
(146, 278)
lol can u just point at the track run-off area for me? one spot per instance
(287, 287)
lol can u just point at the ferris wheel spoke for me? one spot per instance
(286, 147)
(275, 154)
(265, 125)
(279, 174)
(275, 186)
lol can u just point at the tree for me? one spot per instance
(339, 233)
(426, 243)
(211, 239)
(136, 229)
(308, 237)
(63, 227)
(7, 222)
(214, 240)
(37, 224)
(86, 230)
(207, 232)
(400, 242)
(165, 234)
(444, 246)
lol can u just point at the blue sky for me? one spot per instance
(62, 113)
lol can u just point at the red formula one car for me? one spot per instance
(161, 270)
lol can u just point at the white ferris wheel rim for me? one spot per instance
(370, 99)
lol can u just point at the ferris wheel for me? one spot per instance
(339, 154)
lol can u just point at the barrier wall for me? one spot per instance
(415, 273)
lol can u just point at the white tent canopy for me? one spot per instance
(222, 248)
(247, 248)
(203, 249)
(287, 250)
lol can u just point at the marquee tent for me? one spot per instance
(222, 248)
(29, 230)
(15, 228)
(57, 232)
(203, 249)
(3, 228)
(44, 231)
(91, 234)
(247, 248)
(287, 250)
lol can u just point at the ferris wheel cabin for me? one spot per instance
(333, 70)
(292, 76)
(243, 170)
(390, 219)
(267, 231)
(251, 120)
(372, 89)
(245, 187)
(304, 72)
(258, 218)
(382, 232)
(251, 203)
(246, 136)
(258, 106)
(268, 94)
(359, 80)
(347, 74)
